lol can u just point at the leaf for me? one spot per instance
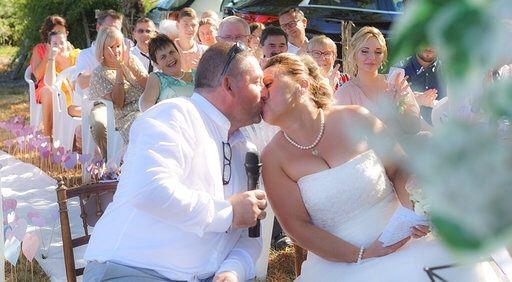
(454, 235)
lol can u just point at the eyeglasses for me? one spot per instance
(318, 54)
(290, 25)
(235, 49)
(236, 38)
(226, 169)
(147, 31)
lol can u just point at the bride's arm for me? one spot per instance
(286, 201)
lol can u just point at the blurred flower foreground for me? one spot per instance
(465, 169)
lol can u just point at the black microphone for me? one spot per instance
(252, 169)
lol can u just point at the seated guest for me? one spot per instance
(40, 61)
(143, 31)
(212, 15)
(86, 62)
(181, 208)
(324, 52)
(190, 50)
(207, 32)
(120, 77)
(171, 81)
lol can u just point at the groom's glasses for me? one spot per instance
(233, 51)
(226, 169)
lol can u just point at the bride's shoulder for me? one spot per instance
(344, 112)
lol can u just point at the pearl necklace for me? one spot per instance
(312, 146)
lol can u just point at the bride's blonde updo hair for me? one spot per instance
(304, 67)
(359, 38)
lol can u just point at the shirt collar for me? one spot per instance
(219, 119)
(419, 68)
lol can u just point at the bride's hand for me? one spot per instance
(376, 249)
(419, 231)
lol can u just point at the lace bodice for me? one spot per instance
(360, 193)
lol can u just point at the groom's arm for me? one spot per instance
(242, 258)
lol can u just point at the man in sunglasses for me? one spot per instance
(181, 208)
(143, 31)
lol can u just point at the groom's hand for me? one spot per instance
(225, 277)
(248, 207)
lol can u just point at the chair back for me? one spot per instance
(93, 199)
(36, 109)
(63, 124)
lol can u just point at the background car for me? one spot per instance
(164, 7)
(324, 16)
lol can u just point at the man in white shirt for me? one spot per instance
(181, 209)
(143, 31)
(293, 22)
(85, 64)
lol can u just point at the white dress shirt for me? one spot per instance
(170, 212)
(86, 61)
(142, 57)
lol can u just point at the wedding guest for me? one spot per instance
(390, 99)
(424, 76)
(234, 29)
(190, 50)
(143, 31)
(255, 30)
(334, 177)
(324, 52)
(293, 22)
(41, 61)
(120, 77)
(207, 32)
(274, 41)
(171, 81)
(86, 62)
(212, 15)
(181, 209)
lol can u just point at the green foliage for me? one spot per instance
(78, 14)
(11, 22)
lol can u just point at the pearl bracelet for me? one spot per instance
(360, 255)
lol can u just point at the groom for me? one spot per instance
(181, 209)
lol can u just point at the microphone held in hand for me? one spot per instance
(252, 169)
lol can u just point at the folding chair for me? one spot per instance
(63, 124)
(36, 110)
(114, 140)
(93, 200)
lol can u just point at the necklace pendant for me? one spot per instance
(314, 152)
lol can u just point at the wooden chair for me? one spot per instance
(93, 200)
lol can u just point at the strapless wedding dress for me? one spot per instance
(355, 201)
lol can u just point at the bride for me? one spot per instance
(333, 188)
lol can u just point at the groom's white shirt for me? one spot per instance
(170, 212)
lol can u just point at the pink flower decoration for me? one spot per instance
(30, 246)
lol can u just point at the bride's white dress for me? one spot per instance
(354, 201)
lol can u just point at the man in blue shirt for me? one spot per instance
(423, 71)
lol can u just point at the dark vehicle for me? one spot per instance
(324, 16)
(164, 7)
